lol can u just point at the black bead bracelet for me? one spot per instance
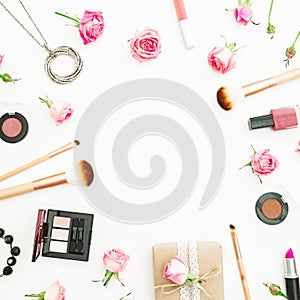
(14, 251)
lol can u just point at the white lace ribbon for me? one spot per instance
(187, 251)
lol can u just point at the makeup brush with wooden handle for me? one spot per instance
(39, 160)
(83, 169)
(228, 97)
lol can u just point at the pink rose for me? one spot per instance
(115, 260)
(263, 163)
(55, 292)
(91, 26)
(60, 111)
(221, 59)
(176, 270)
(145, 45)
(243, 14)
(1, 59)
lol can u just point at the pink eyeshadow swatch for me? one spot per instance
(11, 127)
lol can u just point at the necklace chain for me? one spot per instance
(45, 42)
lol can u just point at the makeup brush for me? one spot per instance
(83, 169)
(40, 160)
(240, 262)
(228, 97)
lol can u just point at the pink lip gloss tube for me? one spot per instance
(184, 23)
(278, 119)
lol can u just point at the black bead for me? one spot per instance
(1, 232)
(15, 251)
(8, 239)
(11, 261)
(7, 270)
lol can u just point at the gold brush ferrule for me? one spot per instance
(50, 181)
(62, 149)
(258, 86)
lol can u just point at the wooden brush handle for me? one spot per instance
(16, 190)
(23, 168)
(39, 160)
(244, 280)
(287, 76)
(258, 86)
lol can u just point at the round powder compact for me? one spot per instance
(271, 208)
(13, 127)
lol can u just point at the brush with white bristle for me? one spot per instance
(83, 175)
(228, 97)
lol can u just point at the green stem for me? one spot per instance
(77, 21)
(295, 40)
(47, 102)
(270, 11)
(34, 296)
(107, 277)
(126, 296)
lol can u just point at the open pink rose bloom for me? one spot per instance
(115, 260)
(263, 163)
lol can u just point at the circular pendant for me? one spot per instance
(68, 51)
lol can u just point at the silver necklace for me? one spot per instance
(62, 50)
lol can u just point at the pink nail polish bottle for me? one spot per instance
(278, 119)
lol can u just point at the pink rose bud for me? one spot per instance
(1, 59)
(221, 59)
(55, 292)
(115, 260)
(145, 45)
(263, 163)
(243, 14)
(91, 26)
(60, 111)
(176, 270)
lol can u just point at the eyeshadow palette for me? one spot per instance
(13, 125)
(63, 235)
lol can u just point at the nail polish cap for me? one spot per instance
(261, 122)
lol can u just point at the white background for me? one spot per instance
(108, 62)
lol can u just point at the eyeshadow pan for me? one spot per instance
(272, 208)
(61, 222)
(59, 247)
(59, 234)
(11, 127)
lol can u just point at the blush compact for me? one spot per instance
(13, 125)
(271, 208)
(63, 234)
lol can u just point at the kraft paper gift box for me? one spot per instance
(209, 255)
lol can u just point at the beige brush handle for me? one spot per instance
(23, 168)
(16, 190)
(267, 83)
(287, 76)
(39, 160)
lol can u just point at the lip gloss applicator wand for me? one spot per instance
(184, 24)
(291, 276)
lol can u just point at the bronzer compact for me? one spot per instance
(271, 208)
(63, 234)
(13, 125)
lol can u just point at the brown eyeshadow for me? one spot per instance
(272, 208)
